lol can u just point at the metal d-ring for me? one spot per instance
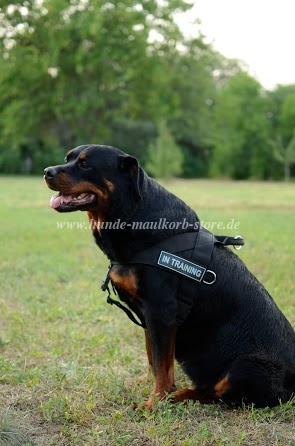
(238, 247)
(214, 277)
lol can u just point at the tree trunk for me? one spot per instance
(286, 171)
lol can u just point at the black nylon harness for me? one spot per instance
(187, 254)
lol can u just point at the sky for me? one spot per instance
(259, 32)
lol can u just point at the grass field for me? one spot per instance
(69, 362)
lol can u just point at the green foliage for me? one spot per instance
(282, 137)
(164, 156)
(195, 89)
(281, 112)
(67, 73)
(285, 155)
(287, 116)
(241, 148)
(111, 72)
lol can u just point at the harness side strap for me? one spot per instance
(126, 310)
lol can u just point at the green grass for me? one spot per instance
(69, 362)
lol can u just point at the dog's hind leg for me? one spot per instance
(189, 394)
(252, 379)
(289, 382)
(258, 379)
(203, 396)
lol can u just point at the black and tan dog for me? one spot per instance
(212, 314)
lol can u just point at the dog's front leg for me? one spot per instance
(162, 352)
(148, 348)
(148, 352)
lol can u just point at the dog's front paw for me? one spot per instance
(142, 406)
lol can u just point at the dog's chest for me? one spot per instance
(124, 278)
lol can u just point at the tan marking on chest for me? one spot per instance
(94, 221)
(127, 282)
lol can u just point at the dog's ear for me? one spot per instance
(129, 166)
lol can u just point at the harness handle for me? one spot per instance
(238, 247)
(237, 242)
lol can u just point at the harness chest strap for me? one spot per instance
(195, 248)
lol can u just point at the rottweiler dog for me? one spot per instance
(234, 343)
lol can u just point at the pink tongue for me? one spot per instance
(55, 200)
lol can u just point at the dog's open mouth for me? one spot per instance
(71, 202)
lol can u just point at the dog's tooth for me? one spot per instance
(62, 199)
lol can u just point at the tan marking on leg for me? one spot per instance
(185, 394)
(222, 386)
(148, 347)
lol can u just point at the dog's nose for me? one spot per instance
(50, 172)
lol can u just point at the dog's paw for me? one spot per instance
(143, 406)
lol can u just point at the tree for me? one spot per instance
(70, 70)
(285, 155)
(241, 131)
(282, 113)
(194, 92)
(111, 71)
(164, 156)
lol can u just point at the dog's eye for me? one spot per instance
(84, 164)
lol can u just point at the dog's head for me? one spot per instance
(94, 178)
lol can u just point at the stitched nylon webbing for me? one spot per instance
(194, 246)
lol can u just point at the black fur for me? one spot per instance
(235, 344)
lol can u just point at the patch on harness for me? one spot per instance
(181, 266)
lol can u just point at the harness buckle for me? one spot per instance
(106, 280)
